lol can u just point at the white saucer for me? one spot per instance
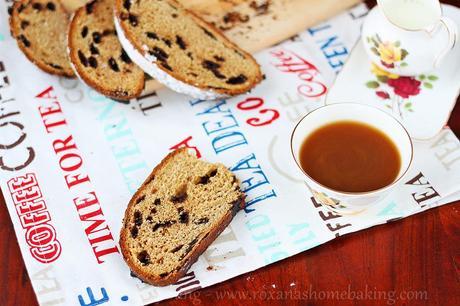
(423, 103)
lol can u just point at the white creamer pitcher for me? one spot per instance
(408, 37)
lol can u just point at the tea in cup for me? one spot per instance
(351, 155)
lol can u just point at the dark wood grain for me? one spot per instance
(420, 253)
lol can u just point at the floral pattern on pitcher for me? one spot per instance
(396, 90)
(391, 54)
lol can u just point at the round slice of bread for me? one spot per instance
(180, 209)
(39, 27)
(97, 55)
(182, 51)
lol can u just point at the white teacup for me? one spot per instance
(352, 202)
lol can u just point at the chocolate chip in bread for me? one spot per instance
(39, 27)
(175, 215)
(176, 47)
(97, 55)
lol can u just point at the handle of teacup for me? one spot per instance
(452, 33)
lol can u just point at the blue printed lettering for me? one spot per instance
(257, 200)
(92, 300)
(304, 237)
(390, 210)
(196, 102)
(319, 28)
(257, 221)
(228, 140)
(225, 137)
(117, 131)
(126, 149)
(214, 109)
(263, 233)
(118, 134)
(245, 164)
(332, 48)
(227, 122)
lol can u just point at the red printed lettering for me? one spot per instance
(33, 214)
(291, 62)
(256, 103)
(185, 144)
(96, 228)
(71, 163)
(250, 103)
(46, 94)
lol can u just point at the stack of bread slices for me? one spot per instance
(111, 44)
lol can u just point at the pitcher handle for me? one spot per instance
(452, 33)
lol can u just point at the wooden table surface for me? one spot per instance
(414, 261)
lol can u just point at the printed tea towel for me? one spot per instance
(70, 159)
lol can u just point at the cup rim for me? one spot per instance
(347, 193)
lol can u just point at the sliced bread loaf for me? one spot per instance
(175, 215)
(97, 56)
(182, 51)
(39, 27)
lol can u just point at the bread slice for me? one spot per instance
(39, 27)
(97, 55)
(182, 51)
(180, 209)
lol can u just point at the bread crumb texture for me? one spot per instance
(182, 202)
(97, 54)
(186, 47)
(40, 28)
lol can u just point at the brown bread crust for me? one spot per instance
(115, 94)
(225, 91)
(28, 51)
(194, 253)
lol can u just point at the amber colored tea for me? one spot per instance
(350, 156)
